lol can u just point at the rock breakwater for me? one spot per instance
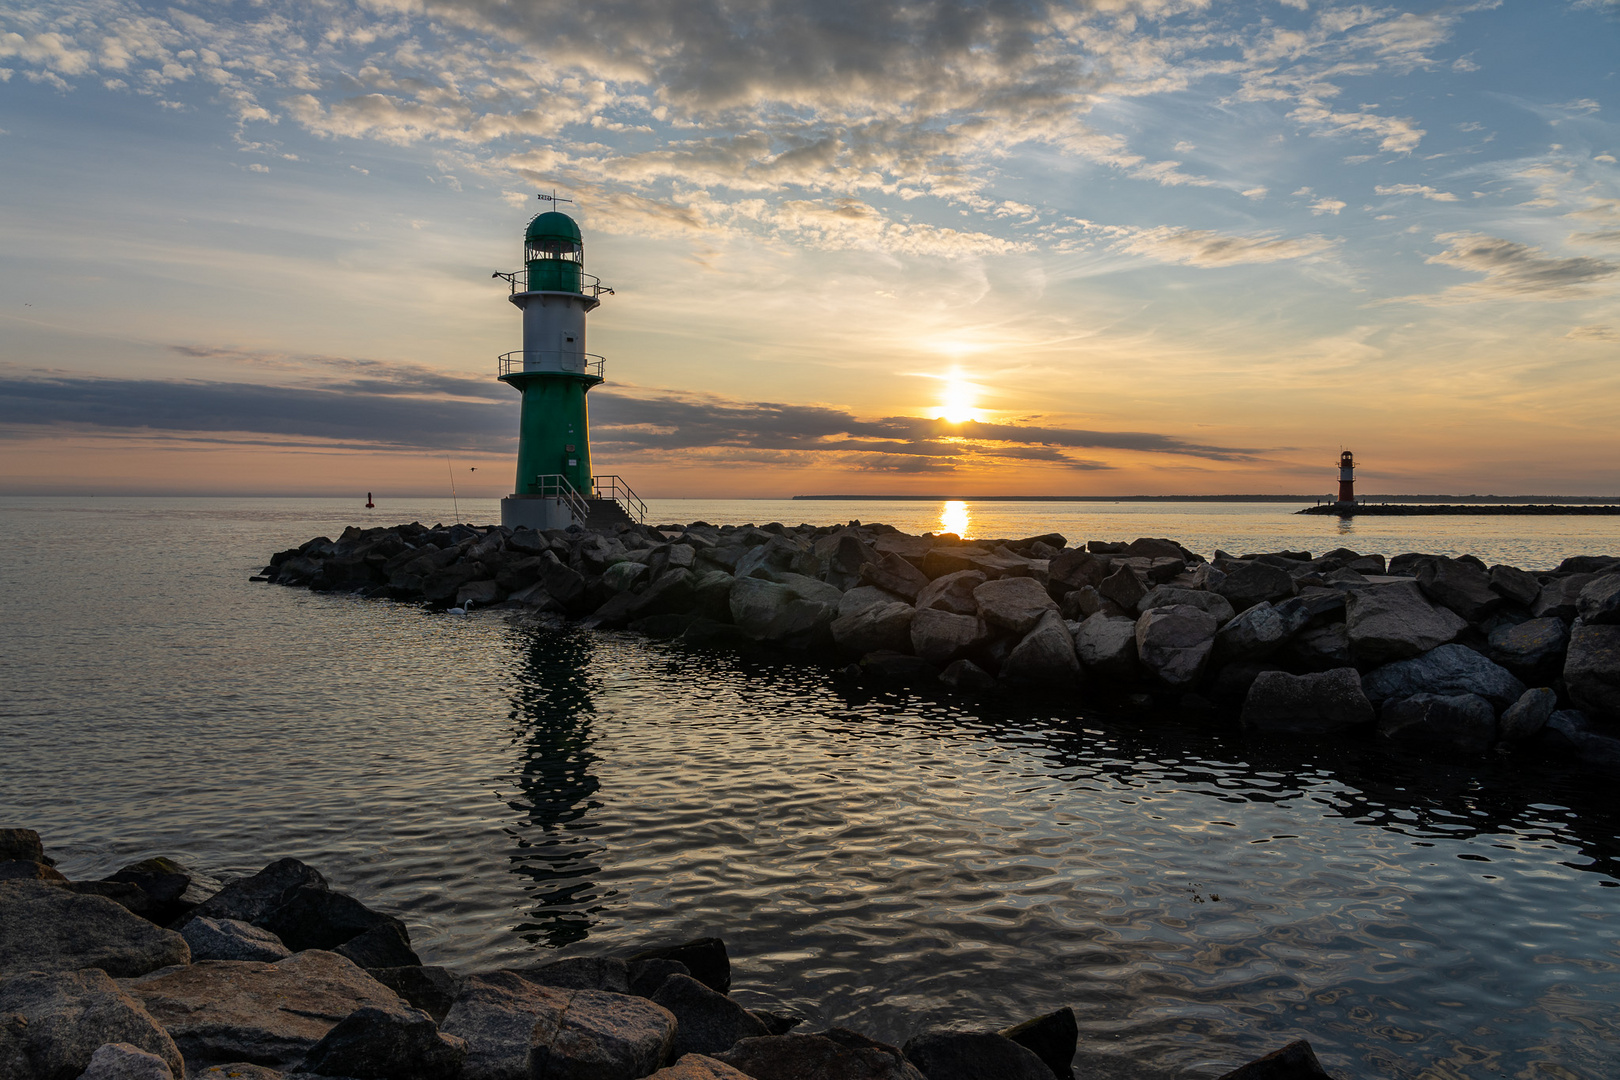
(1424, 652)
(159, 973)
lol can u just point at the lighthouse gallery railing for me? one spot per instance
(573, 363)
(589, 284)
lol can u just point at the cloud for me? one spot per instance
(1206, 248)
(402, 407)
(1415, 189)
(1594, 333)
(1512, 269)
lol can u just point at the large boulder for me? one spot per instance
(705, 959)
(124, 1061)
(1013, 603)
(1247, 584)
(1318, 648)
(1174, 643)
(22, 845)
(1517, 587)
(699, 1067)
(1052, 1037)
(1599, 602)
(1460, 586)
(771, 611)
(884, 626)
(1076, 568)
(1253, 635)
(1575, 732)
(1592, 670)
(45, 927)
(1123, 587)
(953, 592)
(1560, 597)
(943, 637)
(514, 1030)
(232, 939)
(52, 1024)
(1465, 723)
(1527, 716)
(1316, 704)
(706, 1022)
(835, 1054)
(968, 1055)
(862, 597)
(894, 574)
(431, 989)
(1295, 1061)
(1445, 671)
(251, 899)
(1106, 646)
(1397, 622)
(1530, 649)
(376, 1043)
(317, 918)
(1171, 595)
(1045, 655)
(272, 1014)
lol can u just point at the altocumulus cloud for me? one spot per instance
(1513, 269)
(386, 415)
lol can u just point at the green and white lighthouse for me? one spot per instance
(555, 487)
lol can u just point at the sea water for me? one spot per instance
(886, 859)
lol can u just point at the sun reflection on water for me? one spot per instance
(953, 518)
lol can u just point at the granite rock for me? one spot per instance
(1465, 723)
(243, 1010)
(968, 1055)
(1444, 671)
(1174, 643)
(1592, 670)
(1315, 704)
(123, 1061)
(54, 1022)
(1014, 603)
(1397, 622)
(387, 1043)
(232, 939)
(1527, 716)
(1045, 655)
(706, 1022)
(44, 927)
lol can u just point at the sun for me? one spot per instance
(958, 406)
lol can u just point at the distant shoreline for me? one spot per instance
(1592, 500)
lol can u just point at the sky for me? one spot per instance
(932, 247)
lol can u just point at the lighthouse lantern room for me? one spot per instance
(553, 372)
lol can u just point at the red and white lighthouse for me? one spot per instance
(1347, 477)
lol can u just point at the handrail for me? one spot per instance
(589, 284)
(614, 487)
(556, 486)
(519, 361)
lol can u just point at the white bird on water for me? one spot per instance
(460, 612)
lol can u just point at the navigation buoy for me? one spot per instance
(369, 504)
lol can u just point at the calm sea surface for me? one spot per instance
(886, 860)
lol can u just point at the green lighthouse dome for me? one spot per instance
(553, 225)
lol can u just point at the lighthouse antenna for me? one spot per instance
(552, 198)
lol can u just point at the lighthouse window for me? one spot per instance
(553, 249)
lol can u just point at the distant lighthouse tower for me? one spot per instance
(553, 372)
(1347, 478)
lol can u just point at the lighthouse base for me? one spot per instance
(536, 512)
